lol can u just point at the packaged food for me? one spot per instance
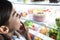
(43, 30)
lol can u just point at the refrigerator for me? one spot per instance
(40, 19)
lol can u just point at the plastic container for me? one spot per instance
(39, 17)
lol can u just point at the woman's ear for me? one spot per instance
(4, 30)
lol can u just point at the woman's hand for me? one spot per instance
(24, 31)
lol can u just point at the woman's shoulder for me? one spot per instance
(1, 37)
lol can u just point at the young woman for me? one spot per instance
(10, 23)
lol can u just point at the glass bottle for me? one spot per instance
(53, 1)
(58, 28)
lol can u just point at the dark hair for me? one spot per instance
(5, 11)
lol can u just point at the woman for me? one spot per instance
(9, 22)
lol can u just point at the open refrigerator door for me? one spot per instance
(39, 19)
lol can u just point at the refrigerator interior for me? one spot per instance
(51, 13)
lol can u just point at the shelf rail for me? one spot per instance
(44, 37)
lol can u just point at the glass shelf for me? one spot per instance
(44, 37)
(39, 23)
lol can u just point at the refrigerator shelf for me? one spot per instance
(44, 37)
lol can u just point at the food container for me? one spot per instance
(39, 17)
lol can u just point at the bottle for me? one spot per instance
(53, 1)
(58, 34)
(37, 0)
(21, 1)
(58, 27)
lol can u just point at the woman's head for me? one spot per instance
(5, 11)
(7, 20)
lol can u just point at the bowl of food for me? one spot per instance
(39, 17)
